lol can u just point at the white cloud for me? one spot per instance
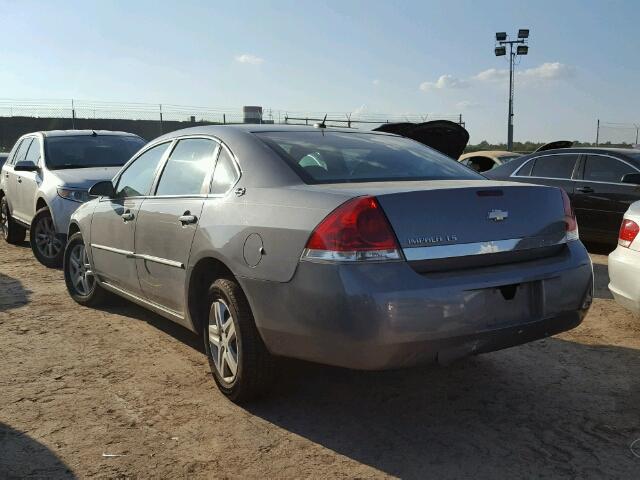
(250, 59)
(375, 82)
(444, 82)
(548, 71)
(361, 110)
(492, 75)
(467, 104)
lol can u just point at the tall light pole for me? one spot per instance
(502, 40)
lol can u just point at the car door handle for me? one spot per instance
(127, 216)
(187, 219)
(585, 190)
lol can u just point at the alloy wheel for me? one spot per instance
(80, 271)
(223, 341)
(47, 241)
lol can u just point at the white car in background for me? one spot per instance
(624, 262)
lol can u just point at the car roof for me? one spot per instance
(614, 150)
(78, 133)
(489, 153)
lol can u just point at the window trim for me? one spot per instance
(599, 181)
(236, 166)
(125, 167)
(207, 179)
(573, 172)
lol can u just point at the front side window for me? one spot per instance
(338, 157)
(86, 151)
(225, 175)
(33, 154)
(189, 164)
(598, 168)
(554, 166)
(137, 179)
(21, 152)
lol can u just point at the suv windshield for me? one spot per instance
(86, 151)
(339, 157)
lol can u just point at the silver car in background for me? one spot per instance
(360, 250)
(47, 176)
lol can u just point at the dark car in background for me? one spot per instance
(3, 158)
(601, 182)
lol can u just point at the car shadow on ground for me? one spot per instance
(549, 408)
(120, 306)
(23, 457)
(12, 293)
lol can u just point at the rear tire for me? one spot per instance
(12, 232)
(78, 275)
(46, 243)
(231, 337)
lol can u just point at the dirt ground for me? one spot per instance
(122, 393)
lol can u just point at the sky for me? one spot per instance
(393, 57)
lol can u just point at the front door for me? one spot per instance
(114, 221)
(167, 222)
(11, 180)
(28, 183)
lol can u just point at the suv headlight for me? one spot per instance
(74, 194)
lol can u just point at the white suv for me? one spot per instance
(47, 176)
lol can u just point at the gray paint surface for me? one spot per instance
(369, 315)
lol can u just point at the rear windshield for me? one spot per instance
(340, 157)
(87, 151)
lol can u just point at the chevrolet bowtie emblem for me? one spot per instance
(498, 215)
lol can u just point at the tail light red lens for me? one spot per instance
(357, 230)
(628, 233)
(570, 218)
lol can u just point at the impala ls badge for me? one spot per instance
(498, 215)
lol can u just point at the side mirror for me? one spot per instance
(633, 178)
(102, 189)
(25, 166)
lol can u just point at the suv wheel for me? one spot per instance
(78, 274)
(11, 231)
(46, 243)
(240, 363)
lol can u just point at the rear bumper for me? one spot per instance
(382, 316)
(624, 277)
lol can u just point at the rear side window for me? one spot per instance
(21, 152)
(554, 166)
(136, 180)
(598, 168)
(338, 157)
(525, 170)
(33, 155)
(225, 175)
(187, 168)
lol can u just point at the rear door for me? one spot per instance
(601, 199)
(114, 221)
(167, 221)
(29, 182)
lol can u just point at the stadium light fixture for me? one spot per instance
(500, 49)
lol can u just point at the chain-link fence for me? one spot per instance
(18, 117)
(617, 134)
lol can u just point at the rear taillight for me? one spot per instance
(356, 231)
(628, 233)
(569, 219)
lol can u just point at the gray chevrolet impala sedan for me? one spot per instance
(356, 249)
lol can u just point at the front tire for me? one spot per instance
(46, 243)
(78, 275)
(240, 364)
(12, 232)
